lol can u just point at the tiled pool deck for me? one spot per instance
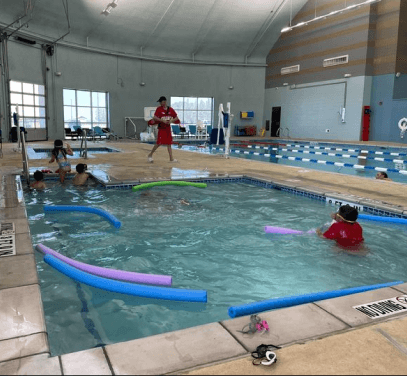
(326, 337)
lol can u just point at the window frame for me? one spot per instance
(181, 112)
(38, 120)
(90, 124)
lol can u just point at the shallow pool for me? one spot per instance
(36, 153)
(216, 243)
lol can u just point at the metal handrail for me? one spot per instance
(84, 145)
(26, 169)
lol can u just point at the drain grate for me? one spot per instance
(7, 239)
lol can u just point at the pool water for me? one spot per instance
(216, 243)
(294, 149)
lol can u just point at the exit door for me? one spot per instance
(275, 121)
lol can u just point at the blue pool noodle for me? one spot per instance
(103, 213)
(289, 301)
(153, 292)
(378, 218)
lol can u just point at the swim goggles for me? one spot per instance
(263, 355)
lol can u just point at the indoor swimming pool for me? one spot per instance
(350, 159)
(215, 242)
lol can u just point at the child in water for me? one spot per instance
(382, 176)
(59, 154)
(38, 184)
(345, 230)
(81, 177)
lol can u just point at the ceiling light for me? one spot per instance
(109, 7)
(106, 12)
(366, 2)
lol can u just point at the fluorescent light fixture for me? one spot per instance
(367, 2)
(106, 12)
(285, 84)
(109, 7)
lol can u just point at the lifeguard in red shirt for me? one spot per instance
(345, 230)
(163, 116)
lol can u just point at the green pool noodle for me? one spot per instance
(159, 183)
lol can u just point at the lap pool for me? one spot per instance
(350, 159)
(216, 243)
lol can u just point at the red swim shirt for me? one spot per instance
(347, 235)
(165, 114)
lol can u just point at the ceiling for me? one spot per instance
(229, 31)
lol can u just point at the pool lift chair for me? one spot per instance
(224, 123)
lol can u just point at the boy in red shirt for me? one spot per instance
(346, 231)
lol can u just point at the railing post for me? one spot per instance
(86, 145)
(26, 169)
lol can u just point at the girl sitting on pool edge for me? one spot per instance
(345, 230)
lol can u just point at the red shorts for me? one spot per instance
(164, 136)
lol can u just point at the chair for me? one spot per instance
(192, 130)
(71, 134)
(208, 130)
(200, 129)
(78, 130)
(175, 131)
(109, 134)
(183, 131)
(98, 132)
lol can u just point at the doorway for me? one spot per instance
(275, 121)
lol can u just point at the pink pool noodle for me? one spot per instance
(122, 275)
(285, 231)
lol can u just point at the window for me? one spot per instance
(30, 99)
(192, 109)
(87, 109)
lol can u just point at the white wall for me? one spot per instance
(308, 110)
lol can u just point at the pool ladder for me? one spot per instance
(83, 153)
(26, 169)
(279, 131)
